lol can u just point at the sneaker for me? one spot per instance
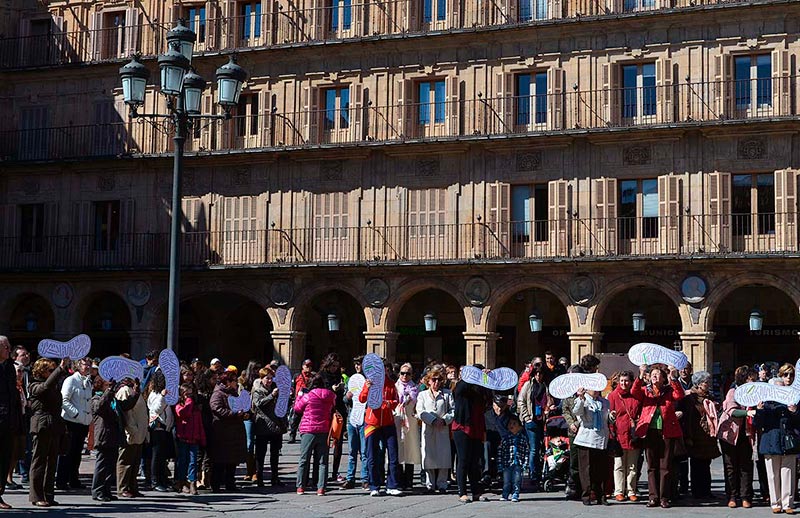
(300, 491)
(504, 498)
(374, 492)
(320, 492)
(340, 479)
(394, 492)
(349, 484)
(365, 486)
(515, 499)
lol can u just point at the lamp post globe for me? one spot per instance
(174, 66)
(182, 37)
(134, 77)
(230, 78)
(193, 86)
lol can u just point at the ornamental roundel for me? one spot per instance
(138, 293)
(281, 293)
(582, 290)
(62, 295)
(694, 289)
(477, 291)
(376, 291)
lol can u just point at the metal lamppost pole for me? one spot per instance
(183, 89)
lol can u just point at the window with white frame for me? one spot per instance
(753, 80)
(753, 197)
(434, 10)
(638, 90)
(532, 10)
(336, 113)
(531, 99)
(431, 98)
(638, 208)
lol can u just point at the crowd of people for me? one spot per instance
(432, 430)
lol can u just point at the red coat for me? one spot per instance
(382, 416)
(190, 423)
(665, 401)
(627, 407)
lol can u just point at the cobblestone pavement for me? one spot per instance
(267, 502)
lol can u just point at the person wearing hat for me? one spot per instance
(496, 430)
(216, 365)
(301, 384)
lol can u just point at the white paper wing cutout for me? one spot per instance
(647, 354)
(751, 394)
(499, 379)
(283, 380)
(240, 403)
(372, 365)
(354, 385)
(76, 348)
(567, 385)
(118, 367)
(171, 367)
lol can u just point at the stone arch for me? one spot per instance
(85, 300)
(719, 292)
(311, 317)
(294, 313)
(607, 293)
(405, 290)
(105, 305)
(503, 293)
(30, 318)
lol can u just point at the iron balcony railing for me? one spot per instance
(361, 122)
(339, 20)
(514, 241)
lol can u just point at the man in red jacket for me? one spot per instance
(381, 436)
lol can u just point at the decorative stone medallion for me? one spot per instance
(331, 171)
(694, 289)
(31, 187)
(105, 183)
(427, 167)
(529, 161)
(477, 291)
(138, 293)
(281, 293)
(636, 155)
(752, 148)
(582, 290)
(62, 295)
(376, 292)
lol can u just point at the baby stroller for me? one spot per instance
(555, 468)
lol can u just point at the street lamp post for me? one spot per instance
(183, 89)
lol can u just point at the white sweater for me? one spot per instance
(76, 392)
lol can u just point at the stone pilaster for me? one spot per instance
(698, 347)
(289, 348)
(582, 343)
(382, 343)
(481, 348)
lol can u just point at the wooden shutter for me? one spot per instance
(426, 224)
(51, 221)
(24, 47)
(455, 14)
(127, 222)
(318, 20)
(498, 210)
(786, 184)
(311, 114)
(664, 100)
(669, 214)
(413, 20)
(406, 108)
(96, 37)
(357, 110)
(555, 99)
(723, 84)
(718, 226)
(453, 108)
(132, 31)
(611, 94)
(8, 223)
(605, 215)
(83, 218)
(503, 106)
(781, 83)
(512, 11)
(559, 217)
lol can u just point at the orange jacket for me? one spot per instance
(382, 416)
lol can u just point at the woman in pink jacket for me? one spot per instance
(316, 406)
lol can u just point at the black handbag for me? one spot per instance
(791, 443)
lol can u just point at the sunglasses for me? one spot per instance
(435, 379)
(405, 373)
(787, 374)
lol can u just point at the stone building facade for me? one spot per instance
(478, 162)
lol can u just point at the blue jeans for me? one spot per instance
(535, 440)
(358, 448)
(186, 463)
(386, 437)
(248, 431)
(512, 481)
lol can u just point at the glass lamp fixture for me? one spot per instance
(31, 322)
(134, 77)
(230, 78)
(333, 322)
(638, 322)
(183, 38)
(105, 322)
(174, 66)
(535, 321)
(430, 322)
(756, 320)
(193, 86)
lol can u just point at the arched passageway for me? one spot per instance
(319, 317)
(31, 321)
(446, 343)
(107, 320)
(662, 321)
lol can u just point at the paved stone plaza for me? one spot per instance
(352, 503)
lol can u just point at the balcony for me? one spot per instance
(339, 21)
(365, 124)
(583, 239)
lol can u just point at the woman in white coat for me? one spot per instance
(435, 408)
(408, 449)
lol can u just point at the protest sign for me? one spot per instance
(354, 385)
(118, 367)
(647, 354)
(374, 371)
(499, 379)
(75, 349)
(567, 385)
(283, 380)
(240, 403)
(169, 365)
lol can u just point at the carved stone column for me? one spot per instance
(698, 346)
(289, 347)
(382, 343)
(481, 348)
(143, 341)
(582, 343)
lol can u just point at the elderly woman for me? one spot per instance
(408, 453)
(659, 426)
(268, 428)
(626, 410)
(592, 409)
(435, 409)
(699, 425)
(47, 428)
(228, 444)
(775, 421)
(736, 439)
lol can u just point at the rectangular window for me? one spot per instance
(341, 16)
(431, 95)
(251, 20)
(532, 10)
(638, 199)
(638, 90)
(753, 197)
(627, 209)
(113, 34)
(106, 225)
(520, 212)
(540, 206)
(753, 80)
(33, 134)
(742, 204)
(337, 108)
(531, 97)
(247, 115)
(31, 230)
(428, 14)
(765, 202)
(650, 208)
(638, 5)
(196, 17)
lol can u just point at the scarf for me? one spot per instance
(407, 395)
(596, 407)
